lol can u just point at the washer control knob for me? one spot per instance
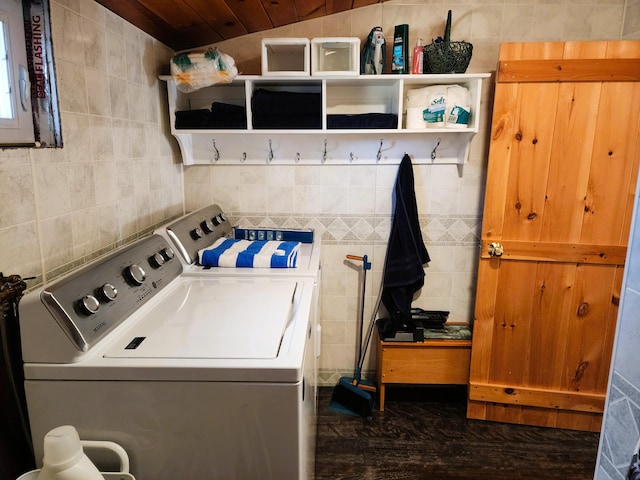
(167, 253)
(207, 226)
(156, 260)
(89, 304)
(135, 274)
(223, 217)
(108, 292)
(216, 220)
(196, 233)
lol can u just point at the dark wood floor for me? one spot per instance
(424, 434)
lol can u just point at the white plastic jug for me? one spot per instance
(64, 457)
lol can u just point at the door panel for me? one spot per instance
(563, 163)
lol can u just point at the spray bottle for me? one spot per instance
(417, 57)
(373, 53)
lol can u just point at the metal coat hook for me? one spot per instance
(351, 156)
(433, 152)
(297, 157)
(244, 157)
(379, 154)
(216, 152)
(270, 158)
(324, 153)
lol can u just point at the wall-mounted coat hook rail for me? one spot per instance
(216, 152)
(349, 148)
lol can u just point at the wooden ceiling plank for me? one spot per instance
(308, 9)
(140, 16)
(251, 14)
(281, 12)
(176, 12)
(219, 16)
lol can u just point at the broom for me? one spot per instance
(352, 395)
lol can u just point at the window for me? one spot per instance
(6, 103)
(16, 120)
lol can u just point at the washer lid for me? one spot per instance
(213, 318)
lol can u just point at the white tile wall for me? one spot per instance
(118, 173)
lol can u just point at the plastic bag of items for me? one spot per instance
(195, 70)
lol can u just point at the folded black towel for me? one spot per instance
(192, 119)
(286, 110)
(363, 120)
(290, 122)
(225, 115)
(222, 116)
(286, 103)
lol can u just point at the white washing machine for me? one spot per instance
(196, 377)
(200, 229)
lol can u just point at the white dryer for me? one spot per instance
(202, 228)
(196, 377)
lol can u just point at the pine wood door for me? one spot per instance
(563, 161)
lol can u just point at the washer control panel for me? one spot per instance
(198, 230)
(93, 300)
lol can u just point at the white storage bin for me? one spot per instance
(285, 56)
(335, 56)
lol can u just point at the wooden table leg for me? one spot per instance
(381, 389)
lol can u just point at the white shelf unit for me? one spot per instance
(340, 95)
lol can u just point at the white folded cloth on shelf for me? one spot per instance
(233, 253)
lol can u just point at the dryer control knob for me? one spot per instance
(156, 260)
(135, 274)
(89, 304)
(207, 226)
(108, 292)
(196, 233)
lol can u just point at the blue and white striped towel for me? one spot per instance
(226, 252)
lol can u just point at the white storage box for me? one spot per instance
(335, 56)
(285, 56)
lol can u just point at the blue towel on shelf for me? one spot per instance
(233, 253)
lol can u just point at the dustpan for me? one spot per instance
(353, 395)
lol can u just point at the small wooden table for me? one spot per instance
(435, 362)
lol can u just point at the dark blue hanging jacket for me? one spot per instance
(406, 254)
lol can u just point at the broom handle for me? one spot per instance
(372, 324)
(365, 266)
